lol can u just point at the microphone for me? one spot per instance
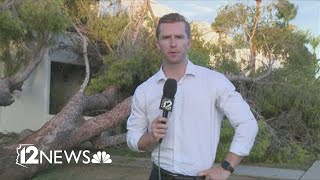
(166, 104)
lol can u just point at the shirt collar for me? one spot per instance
(190, 70)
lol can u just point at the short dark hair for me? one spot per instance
(173, 18)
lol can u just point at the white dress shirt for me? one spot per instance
(203, 98)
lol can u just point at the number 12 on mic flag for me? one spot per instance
(166, 104)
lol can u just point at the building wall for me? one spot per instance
(31, 107)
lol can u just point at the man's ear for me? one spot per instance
(158, 45)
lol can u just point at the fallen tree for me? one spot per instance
(65, 130)
(68, 128)
(15, 82)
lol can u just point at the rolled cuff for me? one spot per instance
(239, 149)
(133, 140)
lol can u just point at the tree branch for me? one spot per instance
(10, 84)
(153, 17)
(140, 22)
(110, 141)
(100, 123)
(248, 79)
(86, 60)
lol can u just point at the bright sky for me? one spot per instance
(308, 17)
(206, 10)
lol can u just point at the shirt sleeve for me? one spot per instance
(240, 116)
(137, 123)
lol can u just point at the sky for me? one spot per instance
(206, 10)
(308, 17)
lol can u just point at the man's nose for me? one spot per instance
(173, 42)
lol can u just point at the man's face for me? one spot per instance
(173, 42)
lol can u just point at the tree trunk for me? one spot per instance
(65, 130)
(138, 25)
(10, 84)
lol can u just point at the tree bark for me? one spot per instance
(140, 21)
(10, 84)
(252, 48)
(249, 79)
(153, 17)
(65, 130)
(110, 141)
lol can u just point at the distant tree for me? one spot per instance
(314, 41)
(283, 98)
(262, 29)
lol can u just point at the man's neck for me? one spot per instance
(175, 71)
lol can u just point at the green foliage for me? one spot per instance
(13, 64)
(288, 101)
(199, 52)
(81, 11)
(110, 28)
(226, 135)
(231, 17)
(263, 151)
(26, 24)
(224, 58)
(286, 10)
(227, 66)
(274, 37)
(276, 97)
(126, 72)
(107, 28)
(43, 16)
(199, 55)
(259, 150)
(292, 113)
(11, 27)
(290, 153)
(281, 97)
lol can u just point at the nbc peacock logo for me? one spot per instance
(101, 157)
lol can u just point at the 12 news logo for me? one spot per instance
(29, 154)
(166, 104)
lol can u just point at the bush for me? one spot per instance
(259, 150)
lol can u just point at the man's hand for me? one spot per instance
(159, 128)
(150, 139)
(215, 173)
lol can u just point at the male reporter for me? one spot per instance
(190, 134)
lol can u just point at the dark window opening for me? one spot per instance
(66, 80)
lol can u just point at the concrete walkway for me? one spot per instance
(313, 172)
(242, 171)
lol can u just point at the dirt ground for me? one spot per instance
(104, 172)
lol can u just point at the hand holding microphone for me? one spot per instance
(167, 100)
(159, 129)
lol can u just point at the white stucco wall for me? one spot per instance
(31, 106)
